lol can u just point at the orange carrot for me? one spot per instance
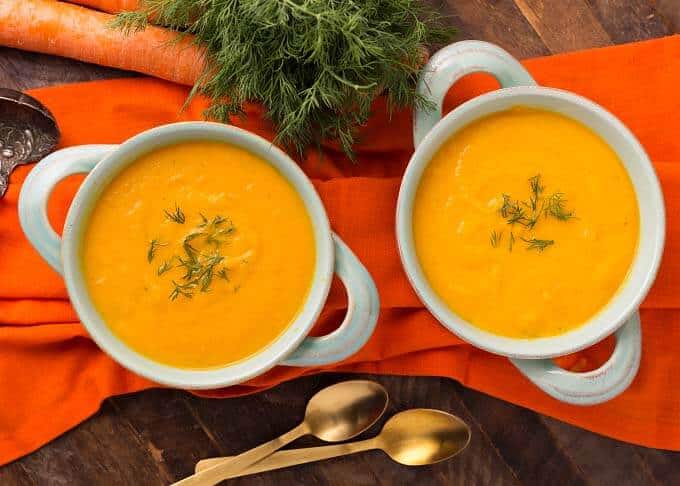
(67, 30)
(111, 6)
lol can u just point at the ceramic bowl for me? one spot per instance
(293, 347)
(619, 316)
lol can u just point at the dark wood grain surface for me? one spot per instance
(155, 437)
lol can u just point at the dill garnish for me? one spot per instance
(516, 215)
(536, 190)
(177, 215)
(220, 228)
(496, 238)
(536, 244)
(182, 289)
(512, 211)
(190, 251)
(505, 208)
(531, 221)
(165, 266)
(153, 246)
(555, 207)
(526, 214)
(206, 274)
(199, 257)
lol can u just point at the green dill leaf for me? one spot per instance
(206, 279)
(190, 251)
(177, 215)
(536, 191)
(495, 238)
(182, 289)
(517, 215)
(556, 207)
(218, 220)
(165, 267)
(505, 208)
(538, 245)
(153, 247)
(130, 22)
(531, 221)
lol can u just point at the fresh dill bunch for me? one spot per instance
(315, 65)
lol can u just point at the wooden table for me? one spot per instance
(156, 437)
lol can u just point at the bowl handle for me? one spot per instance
(453, 62)
(37, 188)
(363, 307)
(591, 387)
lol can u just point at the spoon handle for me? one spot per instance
(293, 457)
(227, 468)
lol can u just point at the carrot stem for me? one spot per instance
(62, 29)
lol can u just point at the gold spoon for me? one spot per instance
(415, 437)
(334, 414)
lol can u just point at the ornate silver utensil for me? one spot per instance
(28, 132)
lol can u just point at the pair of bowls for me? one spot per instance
(431, 130)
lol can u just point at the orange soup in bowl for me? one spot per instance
(199, 254)
(525, 223)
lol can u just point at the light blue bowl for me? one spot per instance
(292, 348)
(619, 316)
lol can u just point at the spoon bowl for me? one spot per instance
(23, 113)
(28, 132)
(423, 436)
(345, 410)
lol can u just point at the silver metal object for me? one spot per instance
(28, 132)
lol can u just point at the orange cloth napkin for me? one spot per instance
(52, 376)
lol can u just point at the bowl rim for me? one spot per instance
(618, 310)
(125, 154)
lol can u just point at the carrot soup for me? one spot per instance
(525, 223)
(199, 254)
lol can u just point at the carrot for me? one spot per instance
(67, 30)
(111, 6)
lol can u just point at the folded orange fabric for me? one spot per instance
(53, 376)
